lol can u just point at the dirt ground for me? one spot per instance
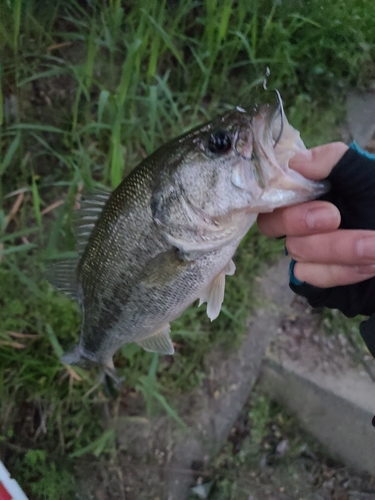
(285, 464)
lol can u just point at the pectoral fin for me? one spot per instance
(159, 342)
(230, 269)
(163, 269)
(214, 293)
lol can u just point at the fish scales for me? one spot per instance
(125, 306)
(166, 236)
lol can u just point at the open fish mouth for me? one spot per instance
(274, 143)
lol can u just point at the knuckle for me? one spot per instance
(293, 247)
(267, 225)
(289, 224)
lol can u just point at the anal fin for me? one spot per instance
(214, 293)
(159, 342)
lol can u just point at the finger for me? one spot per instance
(327, 276)
(299, 220)
(317, 163)
(347, 247)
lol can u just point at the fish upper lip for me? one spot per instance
(270, 116)
(279, 110)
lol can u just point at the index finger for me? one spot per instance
(317, 163)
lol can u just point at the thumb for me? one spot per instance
(317, 163)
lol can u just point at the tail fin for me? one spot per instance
(74, 356)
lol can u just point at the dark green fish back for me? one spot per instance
(123, 237)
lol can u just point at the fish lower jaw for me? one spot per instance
(278, 199)
(289, 191)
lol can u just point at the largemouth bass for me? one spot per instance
(166, 236)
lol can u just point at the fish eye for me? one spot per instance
(219, 142)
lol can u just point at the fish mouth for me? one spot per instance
(271, 145)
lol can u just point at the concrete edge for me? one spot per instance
(342, 425)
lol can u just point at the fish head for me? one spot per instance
(236, 164)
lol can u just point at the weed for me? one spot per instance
(44, 478)
(151, 392)
(347, 330)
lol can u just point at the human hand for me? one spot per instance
(326, 256)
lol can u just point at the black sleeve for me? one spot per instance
(353, 192)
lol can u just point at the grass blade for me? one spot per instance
(59, 351)
(153, 366)
(127, 72)
(42, 74)
(103, 100)
(17, 23)
(171, 412)
(19, 234)
(10, 153)
(37, 126)
(36, 201)
(117, 160)
(1, 97)
(29, 283)
(166, 38)
(96, 447)
(26, 247)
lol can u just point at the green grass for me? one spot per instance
(88, 89)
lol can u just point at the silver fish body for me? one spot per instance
(166, 236)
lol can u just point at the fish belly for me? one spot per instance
(151, 307)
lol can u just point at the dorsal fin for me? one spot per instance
(91, 206)
(62, 275)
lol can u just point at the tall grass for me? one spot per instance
(88, 88)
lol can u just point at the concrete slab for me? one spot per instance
(326, 384)
(361, 116)
(337, 411)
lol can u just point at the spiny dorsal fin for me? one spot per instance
(91, 206)
(158, 342)
(62, 275)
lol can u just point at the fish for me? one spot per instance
(166, 236)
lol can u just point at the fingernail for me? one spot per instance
(366, 247)
(322, 218)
